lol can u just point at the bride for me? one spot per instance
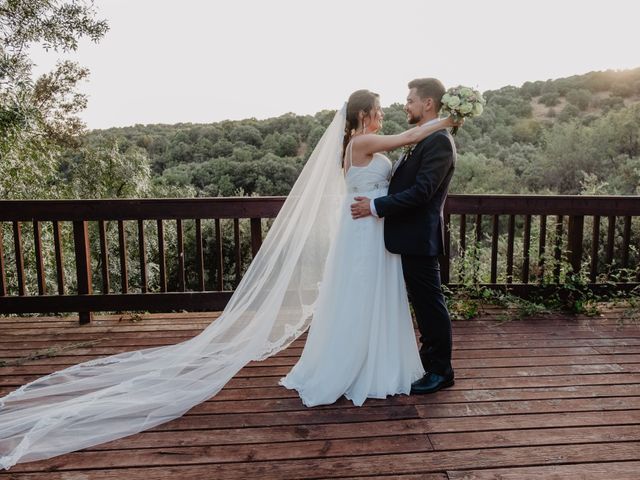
(315, 264)
(361, 342)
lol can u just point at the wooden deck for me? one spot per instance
(548, 397)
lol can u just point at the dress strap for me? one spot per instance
(347, 156)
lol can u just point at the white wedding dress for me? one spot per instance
(361, 343)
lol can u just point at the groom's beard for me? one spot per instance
(413, 119)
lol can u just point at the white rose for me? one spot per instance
(466, 108)
(478, 109)
(453, 101)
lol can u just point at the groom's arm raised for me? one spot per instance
(436, 162)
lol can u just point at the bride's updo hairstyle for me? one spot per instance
(359, 101)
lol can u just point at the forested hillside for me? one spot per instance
(573, 135)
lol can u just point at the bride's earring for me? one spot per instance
(364, 128)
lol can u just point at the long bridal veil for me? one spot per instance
(116, 396)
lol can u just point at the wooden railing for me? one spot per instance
(550, 230)
(522, 247)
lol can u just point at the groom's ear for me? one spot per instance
(428, 103)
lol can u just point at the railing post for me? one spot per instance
(256, 235)
(576, 227)
(83, 264)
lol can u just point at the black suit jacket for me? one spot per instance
(414, 223)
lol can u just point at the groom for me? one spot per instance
(414, 228)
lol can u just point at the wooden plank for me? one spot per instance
(194, 301)
(399, 463)
(583, 471)
(513, 407)
(268, 207)
(231, 453)
(542, 436)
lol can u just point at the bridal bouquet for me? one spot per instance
(462, 102)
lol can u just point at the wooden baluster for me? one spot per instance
(83, 264)
(104, 257)
(57, 240)
(445, 260)
(626, 240)
(181, 273)
(611, 237)
(122, 241)
(575, 237)
(237, 249)
(199, 255)
(494, 248)
(526, 249)
(476, 249)
(558, 248)
(256, 235)
(3, 277)
(463, 234)
(478, 229)
(542, 242)
(510, 240)
(143, 258)
(40, 272)
(595, 244)
(219, 256)
(17, 242)
(162, 258)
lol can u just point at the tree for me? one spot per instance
(580, 97)
(39, 116)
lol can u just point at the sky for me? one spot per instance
(203, 61)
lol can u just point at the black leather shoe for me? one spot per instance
(431, 382)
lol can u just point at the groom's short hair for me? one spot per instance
(429, 88)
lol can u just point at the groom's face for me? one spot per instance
(415, 107)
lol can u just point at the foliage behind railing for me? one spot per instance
(167, 254)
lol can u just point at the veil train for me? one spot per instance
(109, 398)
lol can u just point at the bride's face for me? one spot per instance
(373, 121)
